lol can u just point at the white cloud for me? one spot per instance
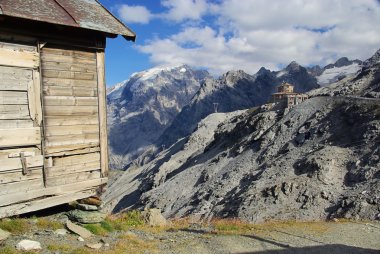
(180, 10)
(134, 14)
(253, 33)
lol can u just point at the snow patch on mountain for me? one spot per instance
(335, 74)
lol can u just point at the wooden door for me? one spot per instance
(21, 159)
(71, 119)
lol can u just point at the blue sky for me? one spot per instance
(222, 35)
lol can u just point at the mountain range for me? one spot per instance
(317, 160)
(154, 108)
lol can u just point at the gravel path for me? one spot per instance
(282, 238)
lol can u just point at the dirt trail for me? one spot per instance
(331, 238)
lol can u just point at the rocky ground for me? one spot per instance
(219, 237)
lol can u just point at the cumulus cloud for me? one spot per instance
(253, 33)
(180, 10)
(134, 14)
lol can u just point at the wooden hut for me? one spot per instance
(53, 130)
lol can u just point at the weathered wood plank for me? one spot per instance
(17, 46)
(14, 73)
(20, 137)
(66, 59)
(55, 190)
(15, 152)
(10, 124)
(21, 187)
(13, 98)
(69, 82)
(36, 173)
(70, 101)
(14, 112)
(89, 139)
(36, 99)
(68, 75)
(71, 130)
(70, 120)
(68, 52)
(72, 178)
(70, 150)
(77, 168)
(52, 65)
(72, 91)
(13, 85)
(71, 110)
(15, 163)
(19, 58)
(102, 114)
(76, 159)
(40, 204)
(14, 79)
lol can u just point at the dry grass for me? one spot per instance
(126, 244)
(43, 223)
(16, 225)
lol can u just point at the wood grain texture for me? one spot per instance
(19, 58)
(70, 101)
(11, 164)
(46, 202)
(102, 113)
(71, 130)
(13, 98)
(20, 137)
(71, 120)
(67, 150)
(72, 178)
(55, 190)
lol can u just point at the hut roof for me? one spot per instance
(87, 14)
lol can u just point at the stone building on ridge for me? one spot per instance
(285, 94)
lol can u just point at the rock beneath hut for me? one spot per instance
(85, 207)
(91, 201)
(28, 245)
(153, 217)
(4, 234)
(86, 217)
(82, 232)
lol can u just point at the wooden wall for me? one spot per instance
(53, 142)
(70, 101)
(21, 160)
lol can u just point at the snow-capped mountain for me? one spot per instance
(341, 69)
(140, 108)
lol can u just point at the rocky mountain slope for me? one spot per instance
(150, 103)
(140, 108)
(319, 160)
(234, 90)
